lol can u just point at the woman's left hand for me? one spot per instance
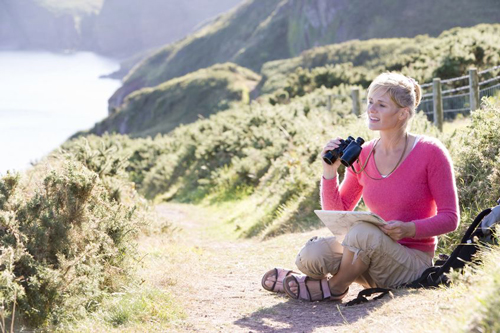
(398, 230)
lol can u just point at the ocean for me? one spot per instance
(47, 97)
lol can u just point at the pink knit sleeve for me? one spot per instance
(442, 186)
(344, 198)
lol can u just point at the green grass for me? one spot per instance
(267, 157)
(475, 296)
(358, 62)
(249, 156)
(143, 308)
(457, 125)
(68, 234)
(183, 100)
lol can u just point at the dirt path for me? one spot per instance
(217, 282)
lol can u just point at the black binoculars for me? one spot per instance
(348, 151)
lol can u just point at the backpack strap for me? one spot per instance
(368, 292)
(428, 279)
(461, 251)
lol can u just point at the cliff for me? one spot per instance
(259, 31)
(182, 100)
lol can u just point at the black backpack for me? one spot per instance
(480, 232)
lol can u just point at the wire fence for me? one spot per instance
(457, 100)
(426, 106)
(490, 91)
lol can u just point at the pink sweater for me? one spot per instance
(421, 190)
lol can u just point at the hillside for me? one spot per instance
(337, 66)
(358, 62)
(183, 100)
(247, 150)
(258, 32)
(256, 170)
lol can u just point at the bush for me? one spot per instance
(477, 162)
(477, 165)
(358, 62)
(66, 234)
(258, 155)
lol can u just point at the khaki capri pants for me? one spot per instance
(390, 264)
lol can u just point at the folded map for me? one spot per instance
(339, 222)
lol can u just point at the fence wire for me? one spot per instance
(490, 91)
(489, 70)
(426, 106)
(455, 79)
(493, 79)
(456, 101)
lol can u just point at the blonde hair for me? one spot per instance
(404, 91)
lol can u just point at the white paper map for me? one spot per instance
(339, 222)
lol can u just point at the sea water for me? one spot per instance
(45, 98)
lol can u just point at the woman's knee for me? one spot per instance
(364, 236)
(319, 256)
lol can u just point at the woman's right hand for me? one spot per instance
(330, 171)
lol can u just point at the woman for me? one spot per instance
(404, 178)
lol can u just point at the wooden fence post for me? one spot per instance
(356, 101)
(438, 103)
(474, 89)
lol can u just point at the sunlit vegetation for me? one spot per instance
(338, 67)
(266, 154)
(449, 55)
(253, 155)
(183, 100)
(67, 235)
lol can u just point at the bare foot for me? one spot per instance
(294, 287)
(270, 281)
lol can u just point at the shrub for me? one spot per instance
(477, 162)
(477, 165)
(67, 234)
(358, 62)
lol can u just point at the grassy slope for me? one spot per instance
(183, 100)
(249, 156)
(448, 55)
(258, 32)
(267, 155)
(443, 310)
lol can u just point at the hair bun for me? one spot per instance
(418, 92)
